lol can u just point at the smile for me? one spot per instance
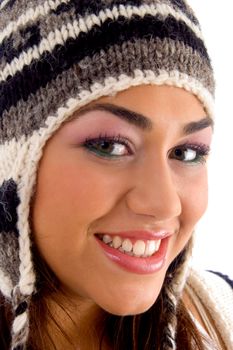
(139, 248)
(140, 256)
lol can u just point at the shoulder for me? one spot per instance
(212, 285)
(216, 293)
(225, 277)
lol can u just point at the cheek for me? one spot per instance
(194, 196)
(69, 199)
(70, 196)
(84, 193)
(191, 182)
(194, 199)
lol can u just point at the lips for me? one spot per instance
(140, 252)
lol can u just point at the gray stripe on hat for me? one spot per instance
(154, 55)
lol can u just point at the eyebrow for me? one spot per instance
(142, 122)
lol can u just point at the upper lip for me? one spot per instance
(141, 234)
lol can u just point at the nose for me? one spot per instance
(154, 191)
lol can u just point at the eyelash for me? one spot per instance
(111, 139)
(201, 149)
(202, 152)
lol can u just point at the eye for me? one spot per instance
(108, 146)
(190, 153)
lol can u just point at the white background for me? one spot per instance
(214, 242)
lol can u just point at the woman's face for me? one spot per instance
(132, 180)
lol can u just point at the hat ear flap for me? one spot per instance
(9, 245)
(9, 201)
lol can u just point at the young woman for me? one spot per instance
(106, 126)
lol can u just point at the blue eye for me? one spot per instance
(190, 153)
(106, 146)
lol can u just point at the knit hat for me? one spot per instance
(57, 56)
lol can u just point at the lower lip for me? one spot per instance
(133, 264)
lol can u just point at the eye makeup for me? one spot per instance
(100, 125)
(108, 144)
(110, 138)
(190, 153)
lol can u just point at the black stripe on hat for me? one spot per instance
(50, 65)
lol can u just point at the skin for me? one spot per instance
(79, 193)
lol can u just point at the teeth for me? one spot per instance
(107, 239)
(152, 247)
(117, 241)
(140, 248)
(127, 245)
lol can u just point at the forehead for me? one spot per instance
(149, 106)
(150, 98)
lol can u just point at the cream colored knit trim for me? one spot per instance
(209, 332)
(217, 296)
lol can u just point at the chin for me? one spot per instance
(127, 309)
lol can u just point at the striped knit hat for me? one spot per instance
(59, 55)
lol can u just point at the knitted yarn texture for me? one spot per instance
(57, 56)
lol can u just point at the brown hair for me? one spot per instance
(146, 329)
